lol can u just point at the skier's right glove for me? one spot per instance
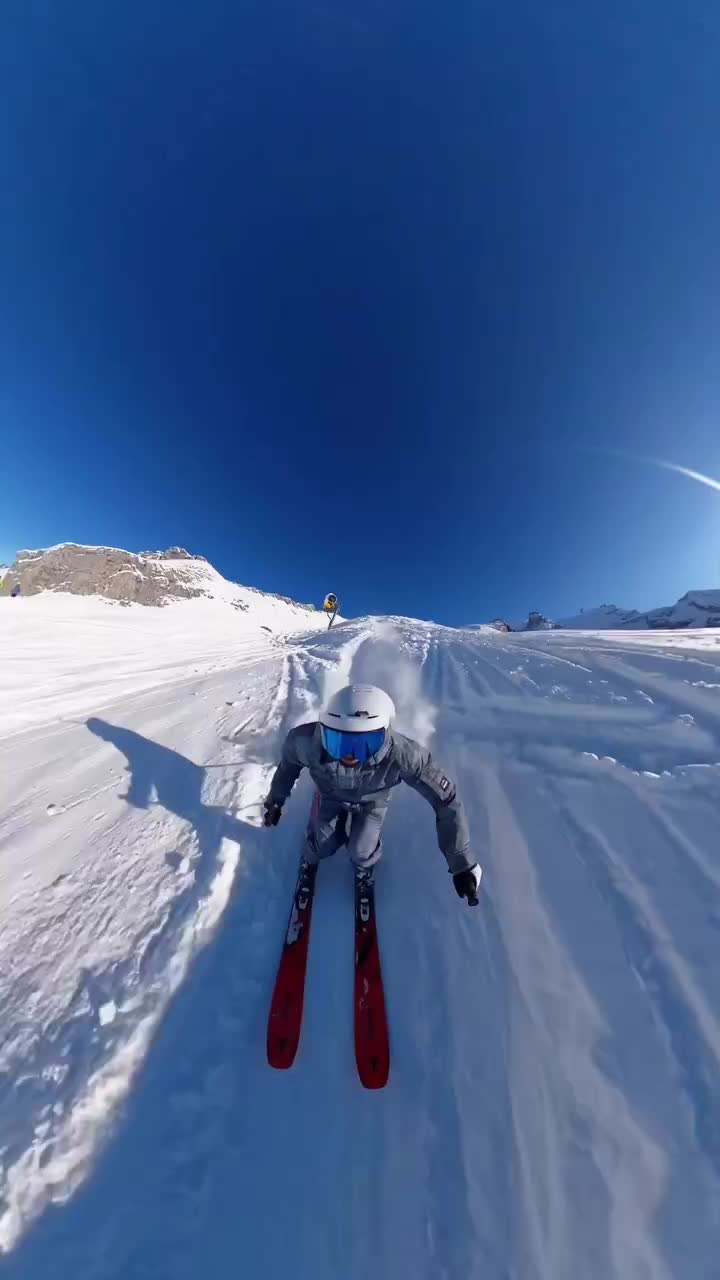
(272, 814)
(467, 884)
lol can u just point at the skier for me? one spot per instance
(355, 760)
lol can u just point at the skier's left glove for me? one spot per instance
(467, 884)
(272, 814)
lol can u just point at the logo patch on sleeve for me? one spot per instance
(444, 784)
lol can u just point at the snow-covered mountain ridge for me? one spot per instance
(694, 609)
(154, 578)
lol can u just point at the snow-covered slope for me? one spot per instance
(73, 652)
(694, 609)
(606, 617)
(552, 1111)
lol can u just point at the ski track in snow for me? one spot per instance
(553, 1108)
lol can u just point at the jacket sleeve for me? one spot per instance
(287, 772)
(427, 778)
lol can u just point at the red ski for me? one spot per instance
(286, 1009)
(372, 1047)
(372, 1051)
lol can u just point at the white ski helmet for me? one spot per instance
(357, 707)
(355, 721)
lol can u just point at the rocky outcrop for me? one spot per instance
(538, 622)
(153, 578)
(172, 553)
(104, 571)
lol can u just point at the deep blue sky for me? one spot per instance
(343, 293)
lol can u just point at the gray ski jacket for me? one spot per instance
(400, 760)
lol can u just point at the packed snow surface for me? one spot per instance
(553, 1110)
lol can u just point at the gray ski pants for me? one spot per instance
(363, 824)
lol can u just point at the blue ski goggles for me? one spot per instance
(359, 746)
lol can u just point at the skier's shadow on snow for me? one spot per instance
(163, 776)
(79, 1039)
(159, 775)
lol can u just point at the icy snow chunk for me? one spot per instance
(107, 1012)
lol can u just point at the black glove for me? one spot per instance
(467, 884)
(272, 814)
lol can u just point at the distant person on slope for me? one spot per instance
(355, 761)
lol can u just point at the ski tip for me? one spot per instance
(375, 1080)
(374, 1084)
(373, 1068)
(281, 1052)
